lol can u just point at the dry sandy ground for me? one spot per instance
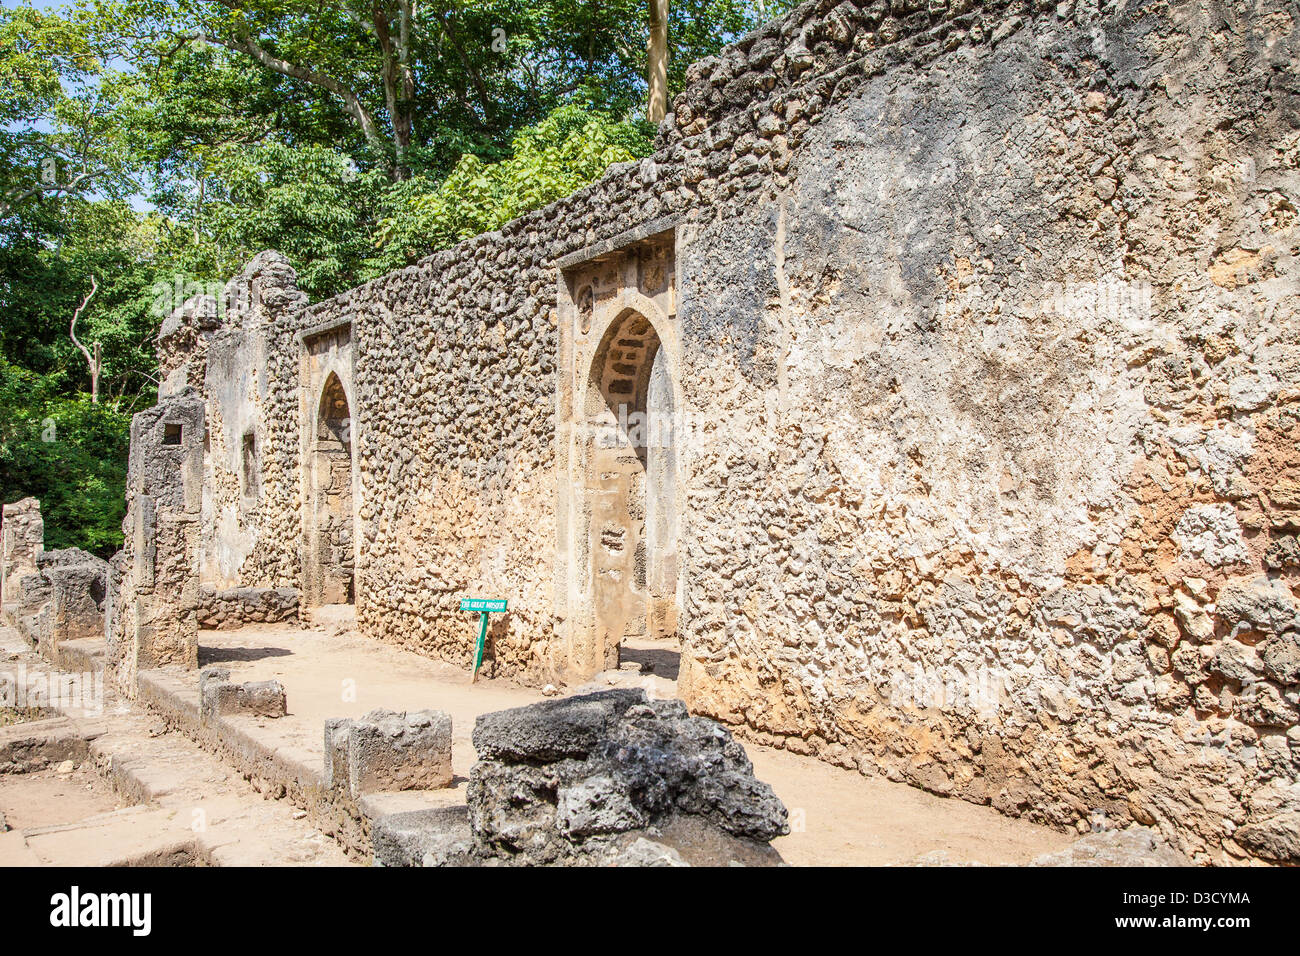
(50, 798)
(849, 819)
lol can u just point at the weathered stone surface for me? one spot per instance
(615, 763)
(1281, 657)
(1276, 838)
(1135, 846)
(553, 729)
(39, 745)
(645, 852)
(336, 752)
(1261, 604)
(436, 837)
(596, 805)
(389, 750)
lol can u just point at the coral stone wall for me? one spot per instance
(1001, 381)
(22, 541)
(983, 327)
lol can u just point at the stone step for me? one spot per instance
(188, 807)
(82, 656)
(37, 744)
(231, 823)
(133, 836)
(294, 774)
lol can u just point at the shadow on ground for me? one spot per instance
(660, 661)
(223, 655)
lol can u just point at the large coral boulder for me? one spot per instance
(608, 779)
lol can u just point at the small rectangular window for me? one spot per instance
(172, 433)
(251, 472)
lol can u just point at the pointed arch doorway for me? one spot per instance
(328, 472)
(619, 510)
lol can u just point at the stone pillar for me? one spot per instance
(160, 577)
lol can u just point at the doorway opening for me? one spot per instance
(329, 565)
(631, 498)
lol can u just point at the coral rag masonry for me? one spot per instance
(935, 386)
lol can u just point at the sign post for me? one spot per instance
(484, 606)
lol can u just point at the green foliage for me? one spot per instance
(68, 453)
(568, 150)
(308, 202)
(150, 144)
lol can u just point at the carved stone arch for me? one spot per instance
(329, 471)
(334, 412)
(629, 485)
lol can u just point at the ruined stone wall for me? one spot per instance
(983, 326)
(22, 540)
(222, 610)
(154, 617)
(49, 596)
(231, 348)
(453, 431)
(995, 487)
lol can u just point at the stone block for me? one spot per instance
(441, 834)
(387, 750)
(219, 697)
(336, 752)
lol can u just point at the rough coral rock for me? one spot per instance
(609, 778)
(1134, 846)
(560, 772)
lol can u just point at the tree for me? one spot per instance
(146, 146)
(569, 149)
(657, 62)
(93, 361)
(56, 129)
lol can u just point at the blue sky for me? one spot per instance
(137, 202)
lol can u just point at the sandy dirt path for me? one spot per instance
(848, 819)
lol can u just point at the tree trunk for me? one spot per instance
(657, 62)
(93, 361)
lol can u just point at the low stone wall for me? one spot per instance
(222, 610)
(50, 596)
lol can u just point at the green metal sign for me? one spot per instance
(484, 606)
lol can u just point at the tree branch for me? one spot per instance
(17, 196)
(91, 361)
(351, 102)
